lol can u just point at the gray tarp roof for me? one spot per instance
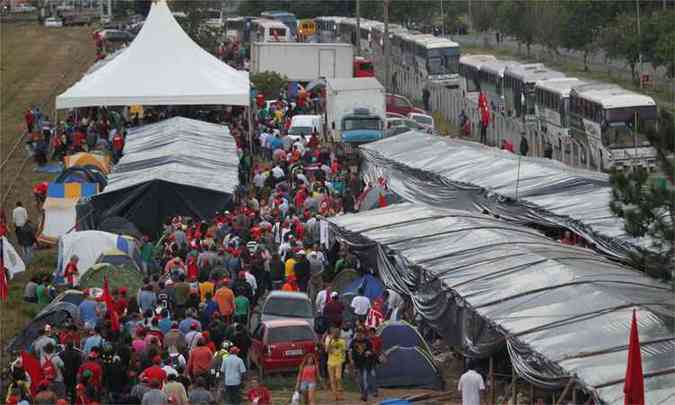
(181, 151)
(562, 310)
(465, 175)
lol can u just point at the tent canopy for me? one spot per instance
(101, 161)
(174, 167)
(418, 369)
(162, 66)
(560, 310)
(401, 333)
(452, 173)
(59, 209)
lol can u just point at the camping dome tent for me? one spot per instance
(63, 308)
(120, 226)
(89, 246)
(60, 215)
(116, 257)
(97, 160)
(420, 371)
(118, 276)
(79, 174)
(402, 334)
(373, 287)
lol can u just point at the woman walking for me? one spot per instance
(308, 379)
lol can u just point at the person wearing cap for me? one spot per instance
(233, 371)
(175, 391)
(199, 362)
(194, 335)
(92, 366)
(185, 325)
(155, 396)
(155, 372)
(302, 271)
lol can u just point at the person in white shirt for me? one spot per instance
(19, 215)
(278, 172)
(322, 297)
(361, 305)
(471, 386)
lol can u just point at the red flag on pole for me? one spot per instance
(4, 283)
(34, 370)
(107, 298)
(633, 387)
(381, 201)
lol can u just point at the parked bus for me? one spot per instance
(519, 86)
(288, 19)
(306, 30)
(612, 123)
(469, 72)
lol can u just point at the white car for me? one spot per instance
(53, 22)
(394, 122)
(302, 126)
(424, 120)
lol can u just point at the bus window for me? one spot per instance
(278, 33)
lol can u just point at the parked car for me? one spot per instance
(282, 305)
(117, 35)
(280, 345)
(302, 126)
(425, 120)
(53, 22)
(393, 122)
(401, 105)
(23, 8)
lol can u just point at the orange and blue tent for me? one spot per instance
(59, 213)
(101, 161)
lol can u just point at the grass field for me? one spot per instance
(37, 63)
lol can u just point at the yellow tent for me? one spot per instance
(102, 162)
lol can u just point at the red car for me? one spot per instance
(401, 105)
(280, 345)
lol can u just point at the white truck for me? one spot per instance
(303, 62)
(355, 109)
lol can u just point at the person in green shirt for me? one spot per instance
(241, 308)
(147, 254)
(42, 293)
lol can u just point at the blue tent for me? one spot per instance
(402, 334)
(373, 286)
(419, 371)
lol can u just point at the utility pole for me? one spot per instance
(387, 47)
(442, 20)
(110, 9)
(637, 6)
(358, 27)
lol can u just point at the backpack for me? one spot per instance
(48, 369)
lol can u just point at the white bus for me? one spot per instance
(519, 85)
(267, 30)
(611, 123)
(469, 72)
(491, 79)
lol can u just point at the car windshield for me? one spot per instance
(300, 130)
(288, 307)
(412, 124)
(361, 123)
(423, 119)
(289, 334)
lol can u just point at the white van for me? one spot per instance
(304, 125)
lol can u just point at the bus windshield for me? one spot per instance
(351, 124)
(618, 135)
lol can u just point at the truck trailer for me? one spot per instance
(303, 62)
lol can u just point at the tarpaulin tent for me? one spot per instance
(377, 196)
(56, 314)
(561, 311)
(118, 276)
(401, 333)
(120, 226)
(175, 167)
(89, 246)
(59, 215)
(11, 259)
(372, 286)
(409, 367)
(82, 174)
(162, 66)
(452, 173)
(98, 160)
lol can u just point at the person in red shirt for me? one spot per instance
(192, 268)
(155, 372)
(313, 141)
(291, 284)
(71, 270)
(79, 138)
(200, 359)
(94, 367)
(30, 120)
(117, 146)
(70, 335)
(258, 394)
(120, 301)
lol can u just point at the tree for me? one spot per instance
(484, 15)
(646, 202)
(665, 53)
(269, 83)
(583, 26)
(194, 23)
(514, 18)
(548, 23)
(620, 40)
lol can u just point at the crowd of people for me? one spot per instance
(184, 337)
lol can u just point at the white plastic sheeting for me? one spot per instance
(465, 175)
(11, 259)
(162, 66)
(562, 311)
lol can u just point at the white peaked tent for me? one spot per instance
(162, 66)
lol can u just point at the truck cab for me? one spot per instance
(361, 126)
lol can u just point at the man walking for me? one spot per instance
(362, 359)
(471, 386)
(233, 370)
(19, 217)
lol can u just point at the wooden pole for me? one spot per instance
(514, 390)
(569, 385)
(531, 394)
(358, 27)
(387, 48)
(493, 389)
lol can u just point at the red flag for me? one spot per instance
(4, 283)
(34, 370)
(482, 101)
(107, 298)
(633, 386)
